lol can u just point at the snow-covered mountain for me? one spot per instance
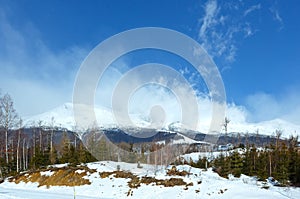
(266, 127)
(63, 116)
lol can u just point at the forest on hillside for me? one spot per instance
(280, 161)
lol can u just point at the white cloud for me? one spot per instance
(220, 32)
(148, 96)
(276, 16)
(209, 19)
(214, 36)
(248, 30)
(263, 106)
(251, 9)
(37, 78)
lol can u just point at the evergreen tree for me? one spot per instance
(53, 156)
(293, 160)
(280, 172)
(247, 163)
(236, 164)
(222, 165)
(82, 156)
(73, 159)
(253, 161)
(201, 163)
(40, 159)
(261, 167)
(65, 152)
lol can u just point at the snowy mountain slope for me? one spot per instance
(179, 138)
(205, 184)
(266, 127)
(182, 139)
(64, 117)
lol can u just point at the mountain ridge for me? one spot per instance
(63, 116)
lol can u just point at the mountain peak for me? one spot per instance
(63, 116)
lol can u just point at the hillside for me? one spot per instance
(99, 180)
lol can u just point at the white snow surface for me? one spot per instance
(185, 140)
(64, 117)
(210, 155)
(46, 173)
(206, 184)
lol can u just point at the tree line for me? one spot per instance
(280, 161)
(20, 151)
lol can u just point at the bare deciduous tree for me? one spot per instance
(278, 134)
(40, 123)
(226, 122)
(9, 118)
(24, 155)
(1, 112)
(51, 136)
(18, 145)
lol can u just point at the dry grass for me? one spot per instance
(133, 183)
(136, 181)
(69, 176)
(174, 172)
(65, 176)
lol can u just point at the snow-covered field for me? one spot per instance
(211, 155)
(206, 184)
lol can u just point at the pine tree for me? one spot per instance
(53, 156)
(293, 161)
(280, 172)
(261, 166)
(73, 157)
(65, 153)
(201, 163)
(82, 155)
(40, 159)
(236, 164)
(253, 161)
(222, 165)
(297, 175)
(247, 166)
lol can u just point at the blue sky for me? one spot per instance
(255, 45)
